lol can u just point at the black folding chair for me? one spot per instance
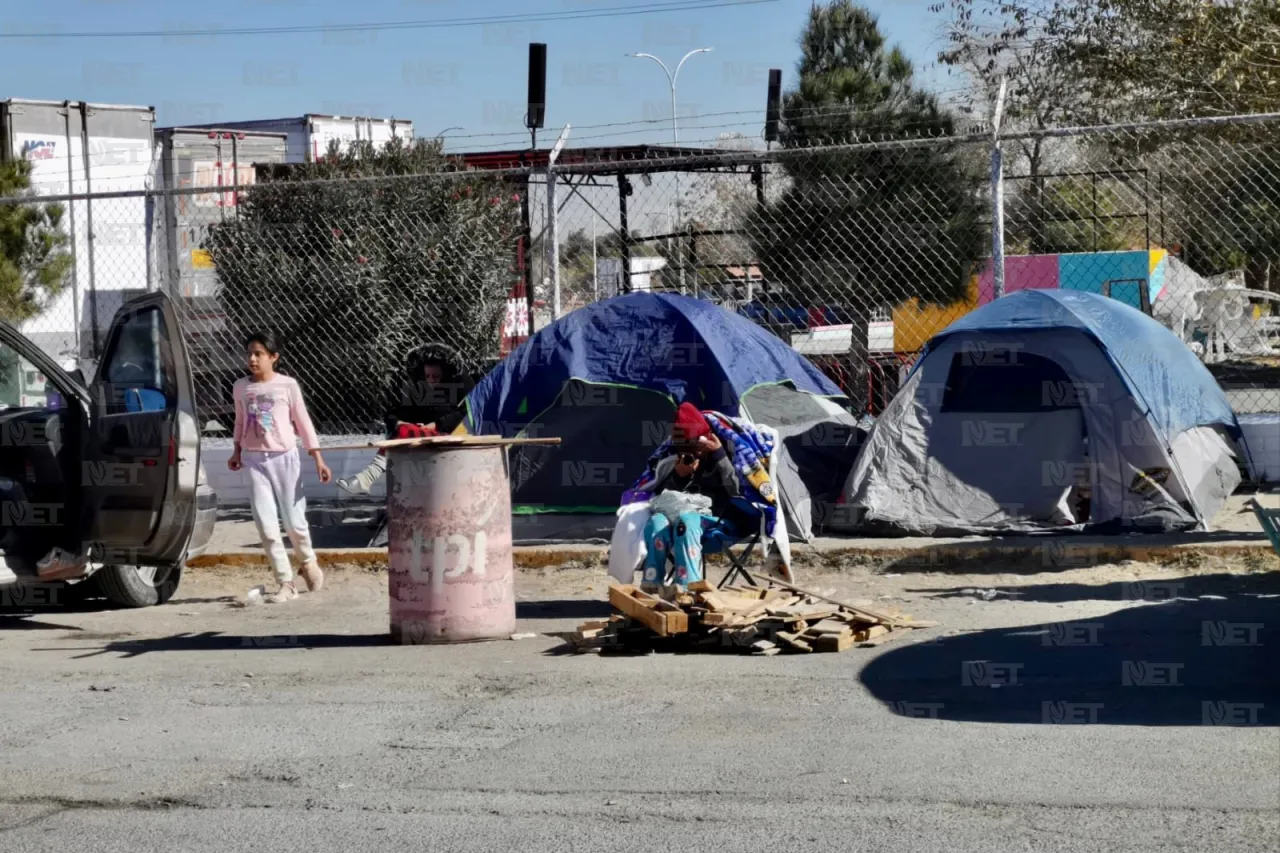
(737, 562)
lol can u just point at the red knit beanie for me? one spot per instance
(689, 425)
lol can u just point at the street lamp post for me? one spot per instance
(440, 135)
(672, 77)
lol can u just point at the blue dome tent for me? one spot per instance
(1050, 409)
(607, 378)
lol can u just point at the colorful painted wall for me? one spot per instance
(914, 323)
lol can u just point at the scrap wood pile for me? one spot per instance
(744, 619)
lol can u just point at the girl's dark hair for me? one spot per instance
(268, 340)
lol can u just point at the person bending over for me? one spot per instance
(427, 404)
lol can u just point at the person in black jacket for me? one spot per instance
(427, 402)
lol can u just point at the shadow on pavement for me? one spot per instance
(1130, 592)
(217, 599)
(570, 608)
(13, 621)
(213, 641)
(1177, 663)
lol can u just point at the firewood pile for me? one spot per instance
(764, 620)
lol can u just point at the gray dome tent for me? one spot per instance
(1050, 409)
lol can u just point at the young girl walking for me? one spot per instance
(270, 417)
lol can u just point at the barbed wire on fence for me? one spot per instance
(855, 254)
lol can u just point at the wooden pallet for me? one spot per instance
(752, 620)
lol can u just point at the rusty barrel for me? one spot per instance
(449, 544)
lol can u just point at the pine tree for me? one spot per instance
(868, 227)
(35, 262)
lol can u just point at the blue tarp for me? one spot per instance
(671, 344)
(1160, 371)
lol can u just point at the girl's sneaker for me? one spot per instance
(287, 592)
(313, 576)
(60, 565)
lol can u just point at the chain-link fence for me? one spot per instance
(855, 254)
(351, 275)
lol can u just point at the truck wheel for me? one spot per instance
(138, 586)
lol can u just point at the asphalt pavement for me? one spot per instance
(1111, 708)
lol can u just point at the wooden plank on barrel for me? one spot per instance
(444, 441)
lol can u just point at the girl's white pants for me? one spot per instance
(275, 481)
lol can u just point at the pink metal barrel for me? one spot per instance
(449, 537)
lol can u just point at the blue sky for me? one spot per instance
(469, 82)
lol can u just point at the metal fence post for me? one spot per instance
(553, 231)
(525, 248)
(90, 241)
(997, 195)
(553, 243)
(624, 232)
(149, 224)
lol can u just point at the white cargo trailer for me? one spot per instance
(75, 148)
(309, 135)
(198, 158)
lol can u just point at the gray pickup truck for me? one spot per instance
(114, 462)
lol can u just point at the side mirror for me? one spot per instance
(78, 376)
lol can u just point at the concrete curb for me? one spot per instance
(1051, 554)
(524, 558)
